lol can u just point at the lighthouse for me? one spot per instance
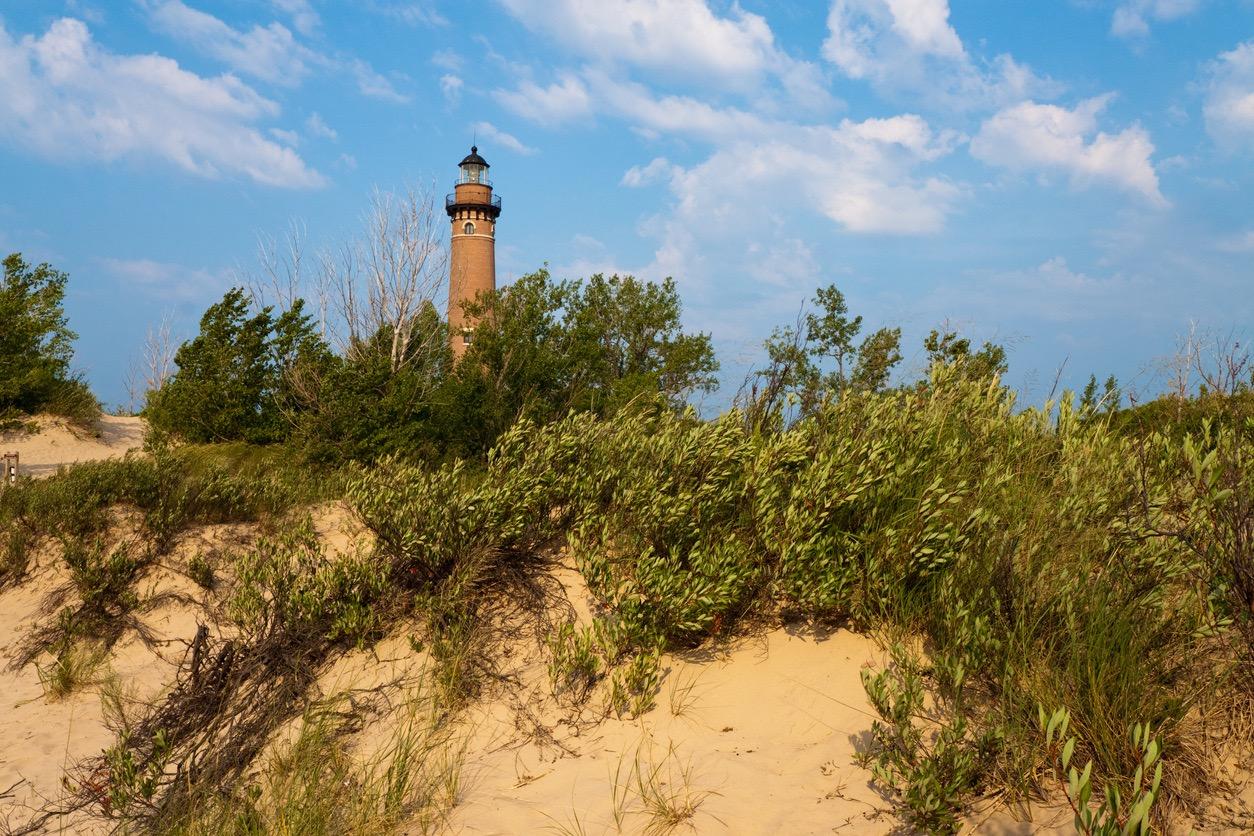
(473, 210)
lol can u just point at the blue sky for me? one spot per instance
(1073, 179)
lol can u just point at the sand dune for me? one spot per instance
(58, 443)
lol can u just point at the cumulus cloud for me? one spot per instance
(659, 34)
(681, 40)
(910, 46)
(270, 53)
(1040, 137)
(860, 175)
(658, 169)
(1229, 107)
(564, 100)
(1131, 18)
(495, 135)
(64, 96)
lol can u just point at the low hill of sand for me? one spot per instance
(55, 442)
(755, 735)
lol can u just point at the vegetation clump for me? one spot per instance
(36, 346)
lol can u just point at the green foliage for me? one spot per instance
(878, 354)
(200, 570)
(575, 660)
(634, 686)
(543, 348)
(932, 775)
(794, 382)
(832, 332)
(949, 348)
(133, 784)
(235, 379)
(670, 547)
(36, 345)
(288, 584)
(315, 785)
(1126, 813)
(102, 576)
(15, 548)
(76, 660)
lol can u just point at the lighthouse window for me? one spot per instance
(469, 228)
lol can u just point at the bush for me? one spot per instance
(235, 378)
(36, 345)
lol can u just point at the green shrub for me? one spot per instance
(288, 585)
(36, 345)
(102, 577)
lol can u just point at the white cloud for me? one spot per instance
(303, 16)
(270, 53)
(284, 136)
(315, 125)
(1131, 17)
(1229, 106)
(451, 86)
(164, 280)
(447, 59)
(659, 34)
(562, 101)
(909, 46)
(682, 41)
(659, 168)
(64, 96)
(789, 262)
(1038, 137)
(492, 133)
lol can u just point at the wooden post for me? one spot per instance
(10, 468)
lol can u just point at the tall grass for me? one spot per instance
(317, 785)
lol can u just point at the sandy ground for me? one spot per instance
(57, 443)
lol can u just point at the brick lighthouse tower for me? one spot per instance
(473, 210)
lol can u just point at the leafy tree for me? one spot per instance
(36, 343)
(366, 405)
(543, 348)
(235, 379)
(1108, 402)
(794, 377)
(626, 339)
(832, 332)
(949, 348)
(877, 355)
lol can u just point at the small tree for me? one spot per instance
(36, 344)
(877, 356)
(948, 347)
(832, 333)
(794, 382)
(545, 347)
(234, 379)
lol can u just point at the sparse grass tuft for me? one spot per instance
(316, 785)
(75, 665)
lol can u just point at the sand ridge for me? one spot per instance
(57, 442)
